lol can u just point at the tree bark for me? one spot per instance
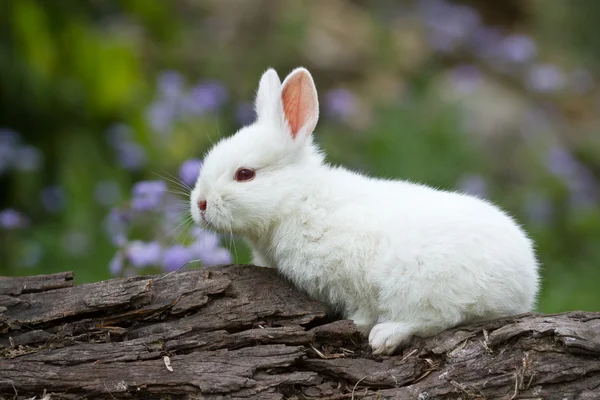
(242, 332)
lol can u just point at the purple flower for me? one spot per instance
(518, 48)
(579, 179)
(485, 42)
(161, 115)
(141, 254)
(176, 257)
(205, 239)
(474, 184)
(449, 25)
(6, 156)
(340, 103)
(119, 239)
(76, 243)
(12, 219)
(53, 198)
(206, 248)
(546, 78)
(8, 136)
(189, 171)
(218, 256)
(174, 213)
(148, 195)
(170, 84)
(245, 114)
(465, 78)
(9, 141)
(28, 158)
(561, 163)
(582, 179)
(148, 187)
(208, 96)
(116, 264)
(116, 225)
(107, 193)
(131, 155)
(584, 189)
(538, 209)
(583, 200)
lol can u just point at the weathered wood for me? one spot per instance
(241, 332)
(39, 283)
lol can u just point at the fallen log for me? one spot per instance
(241, 332)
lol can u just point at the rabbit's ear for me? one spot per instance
(267, 98)
(300, 102)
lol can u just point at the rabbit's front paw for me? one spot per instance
(386, 337)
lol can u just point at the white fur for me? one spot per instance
(401, 258)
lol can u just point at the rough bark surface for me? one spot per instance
(241, 332)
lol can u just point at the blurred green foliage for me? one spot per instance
(403, 94)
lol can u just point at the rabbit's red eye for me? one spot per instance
(244, 174)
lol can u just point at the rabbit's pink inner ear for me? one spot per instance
(300, 106)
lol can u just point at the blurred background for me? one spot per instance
(106, 108)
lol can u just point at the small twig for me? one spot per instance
(424, 375)
(15, 389)
(178, 269)
(318, 352)
(359, 381)
(516, 393)
(462, 387)
(409, 354)
(459, 348)
(108, 391)
(327, 357)
(486, 341)
(530, 380)
(432, 367)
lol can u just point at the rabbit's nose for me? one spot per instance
(202, 205)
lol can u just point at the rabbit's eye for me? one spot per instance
(244, 174)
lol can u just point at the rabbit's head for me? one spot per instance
(252, 179)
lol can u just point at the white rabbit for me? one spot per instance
(398, 258)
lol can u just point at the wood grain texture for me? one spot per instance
(241, 332)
